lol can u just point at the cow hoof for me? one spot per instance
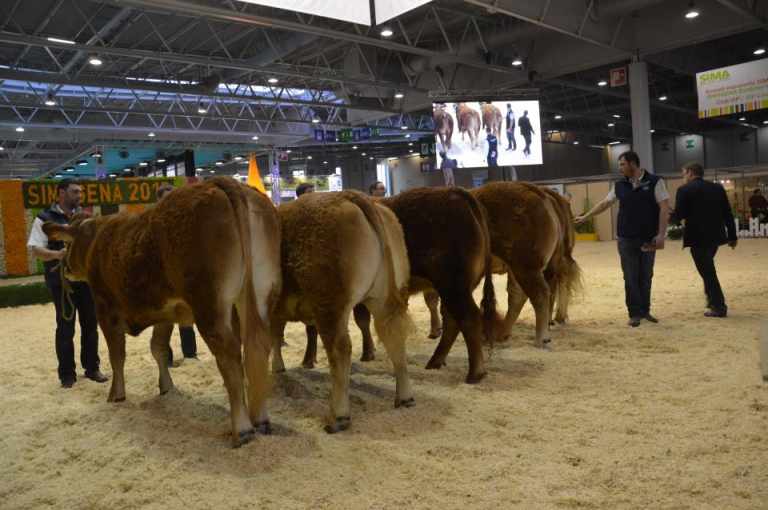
(368, 357)
(551, 323)
(342, 423)
(475, 378)
(546, 345)
(408, 402)
(435, 365)
(264, 428)
(278, 370)
(243, 437)
(116, 399)
(435, 334)
(308, 365)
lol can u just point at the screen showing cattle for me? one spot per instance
(487, 134)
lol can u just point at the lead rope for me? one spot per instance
(66, 294)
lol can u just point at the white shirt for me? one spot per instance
(660, 191)
(37, 237)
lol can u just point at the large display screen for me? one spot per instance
(487, 134)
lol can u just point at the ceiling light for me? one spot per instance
(692, 12)
(219, 163)
(386, 32)
(288, 151)
(97, 154)
(408, 135)
(254, 137)
(614, 143)
(354, 147)
(576, 142)
(371, 157)
(82, 162)
(199, 169)
(151, 134)
(399, 95)
(2, 148)
(403, 127)
(651, 130)
(161, 160)
(410, 150)
(19, 129)
(611, 124)
(765, 122)
(201, 109)
(410, 144)
(742, 119)
(558, 117)
(95, 61)
(62, 41)
(212, 171)
(517, 62)
(113, 175)
(363, 154)
(126, 169)
(616, 116)
(49, 100)
(143, 163)
(315, 121)
(662, 98)
(759, 51)
(272, 80)
(69, 169)
(325, 162)
(238, 158)
(602, 83)
(309, 157)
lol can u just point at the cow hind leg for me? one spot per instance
(363, 321)
(278, 332)
(393, 329)
(447, 339)
(310, 354)
(338, 347)
(159, 345)
(256, 340)
(537, 289)
(467, 315)
(225, 347)
(114, 333)
(432, 300)
(516, 298)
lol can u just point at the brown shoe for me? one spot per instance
(96, 375)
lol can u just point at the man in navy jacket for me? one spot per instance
(704, 207)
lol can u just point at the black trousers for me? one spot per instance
(85, 312)
(188, 343)
(527, 149)
(704, 258)
(512, 143)
(637, 266)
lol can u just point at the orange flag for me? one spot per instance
(254, 178)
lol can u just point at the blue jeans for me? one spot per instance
(637, 267)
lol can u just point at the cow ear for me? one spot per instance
(58, 232)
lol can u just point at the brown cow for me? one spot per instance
(469, 122)
(492, 118)
(341, 249)
(443, 126)
(449, 250)
(207, 254)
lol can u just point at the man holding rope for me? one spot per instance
(78, 301)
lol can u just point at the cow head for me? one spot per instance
(77, 237)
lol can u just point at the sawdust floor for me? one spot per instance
(672, 415)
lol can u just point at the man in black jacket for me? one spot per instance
(704, 207)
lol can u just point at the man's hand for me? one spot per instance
(733, 243)
(578, 220)
(658, 242)
(60, 254)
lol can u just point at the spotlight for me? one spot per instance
(309, 158)
(408, 135)
(144, 163)
(662, 98)
(370, 157)
(113, 175)
(151, 134)
(614, 143)
(218, 163)
(363, 154)
(126, 169)
(517, 62)
(238, 158)
(272, 80)
(354, 147)
(692, 12)
(49, 100)
(410, 144)
(611, 124)
(69, 169)
(82, 162)
(759, 51)
(616, 116)
(315, 121)
(97, 154)
(254, 137)
(161, 160)
(386, 32)
(602, 83)
(19, 129)
(575, 142)
(403, 127)
(288, 151)
(399, 95)
(651, 131)
(325, 162)
(95, 61)
(201, 109)
(742, 119)
(558, 117)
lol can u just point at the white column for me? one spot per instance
(641, 114)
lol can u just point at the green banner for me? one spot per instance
(41, 194)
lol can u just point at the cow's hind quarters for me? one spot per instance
(243, 437)
(342, 423)
(264, 428)
(408, 402)
(475, 378)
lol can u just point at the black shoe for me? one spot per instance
(96, 375)
(651, 318)
(634, 322)
(68, 382)
(716, 313)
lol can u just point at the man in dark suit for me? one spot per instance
(704, 207)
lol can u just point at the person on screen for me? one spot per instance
(493, 148)
(526, 130)
(448, 166)
(511, 141)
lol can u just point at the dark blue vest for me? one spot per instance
(52, 276)
(638, 210)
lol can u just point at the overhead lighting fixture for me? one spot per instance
(82, 162)
(201, 109)
(288, 151)
(151, 134)
(410, 144)
(309, 157)
(212, 171)
(692, 12)
(144, 163)
(95, 61)
(363, 154)
(315, 121)
(408, 135)
(325, 162)
(517, 62)
(742, 119)
(765, 122)
(2, 148)
(238, 158)
(219, 163)
(161, 160)
(410, 150)
(199, 169)
(370, 157)
(575, 142)
(49, 100)
(651, 131)
(662, 98)
(399, 95)
(113, 175)
(759, 51)
(615, 142)
(254, 137)
(558, 117)
(602, 83)
(611, 124)
(19, 129)
(62, 41)
(403, 127)
(69, 169)
(354, 147)
(127, 170)
(97, 154)
(387, 32)
(272, 80)
(616, 116)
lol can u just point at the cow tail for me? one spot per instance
(488, 303)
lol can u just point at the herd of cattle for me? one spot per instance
(469, 121)
(218, 254)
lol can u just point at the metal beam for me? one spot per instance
(743, 10)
